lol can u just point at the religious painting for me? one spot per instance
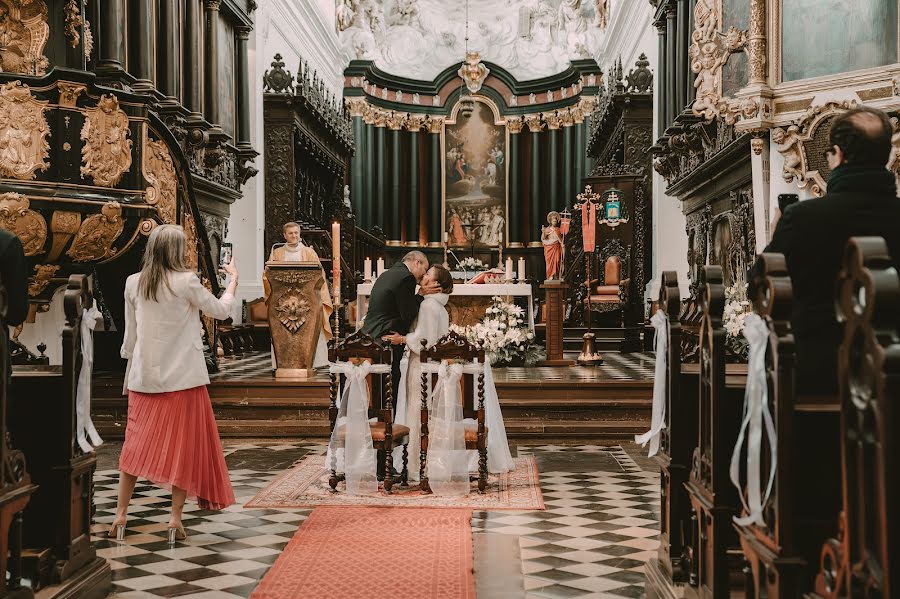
(474, 176)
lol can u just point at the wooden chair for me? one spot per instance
(359, 348)
(863, 560)
(256, 318)
(455, 348)
(612, 292)
(713, 498)
(15, 482)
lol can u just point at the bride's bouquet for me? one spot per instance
(471, 263)
(504, 335)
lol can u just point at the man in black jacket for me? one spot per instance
(861, 200)
(15, 281)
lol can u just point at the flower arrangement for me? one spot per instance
(737, 307)
(504, 336)
(472, 263)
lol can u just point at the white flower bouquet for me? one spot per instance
(737, 307)
(504, 335)
(471, 263)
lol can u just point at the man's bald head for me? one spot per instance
(864, 136)
(417, 263)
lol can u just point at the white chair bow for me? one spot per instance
(350, 449)
(660, 322)
(756, 414)
(84, 426)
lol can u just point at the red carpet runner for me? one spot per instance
(350, 553)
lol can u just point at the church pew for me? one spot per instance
(57, 520)
(863, 560)
(783, 547)
(712, 556)
(16, 487)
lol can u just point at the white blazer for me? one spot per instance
(164, 340)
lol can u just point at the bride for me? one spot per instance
(432, 323)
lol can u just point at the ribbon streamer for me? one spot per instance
(660, 322)
(756, 414)
(448, 464)
(84, 426)
(351, 440)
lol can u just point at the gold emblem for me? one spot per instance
(28, 225)
(97, 234)
(292, 310)
(23, 35)
(69, 92)
(106, 154)
(160, 174)
(42, 275)
(23, 132)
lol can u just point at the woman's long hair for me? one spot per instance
(164, 254)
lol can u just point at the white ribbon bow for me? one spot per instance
(358, 453)
(660, 322)
(756, 413)
(83, 423)
(448, 463)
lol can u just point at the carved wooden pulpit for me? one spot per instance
(295, 315)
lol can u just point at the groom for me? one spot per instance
(394, 305)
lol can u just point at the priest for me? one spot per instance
(294, 250)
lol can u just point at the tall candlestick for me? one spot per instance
(367, 270)
(380, 266)
(509, 270)
(521, 270)
(336, 260)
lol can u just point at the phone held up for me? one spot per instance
(786, 199)
(226, 254)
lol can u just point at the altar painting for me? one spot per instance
(474, 177)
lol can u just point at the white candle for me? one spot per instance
(521, 270)
(509, 271)
(367, 269)
(380, 266)
(336, 259)
(446, 237)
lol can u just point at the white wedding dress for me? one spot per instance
(433, 323)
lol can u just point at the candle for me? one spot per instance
(521, 270)
(509, 271)
(446, 237)
(367, 269)
(336, 259)
(380, 266)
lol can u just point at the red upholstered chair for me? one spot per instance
(612, 292)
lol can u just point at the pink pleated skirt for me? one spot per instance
(171, 440)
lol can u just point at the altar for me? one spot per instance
(467, 302)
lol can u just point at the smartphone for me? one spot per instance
(786, 199)
(225, 254)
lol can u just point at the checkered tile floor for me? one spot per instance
(599, 528)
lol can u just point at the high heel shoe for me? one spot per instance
(175, 533)
(117, 532)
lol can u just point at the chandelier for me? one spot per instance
(473, 74)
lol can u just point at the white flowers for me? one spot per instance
(736, 309)
(471, 263)
(503, 335)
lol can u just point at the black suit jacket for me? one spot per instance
(14, 276)
(812, 235)
(393, 304)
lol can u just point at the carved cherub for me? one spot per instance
(788, 145)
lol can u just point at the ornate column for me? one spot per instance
(379, 172)
(535, 124)
(211, 79)
(395, 235)
(554, 121)
(514, 217)
(243, 88)
(669, 96)
(111, 51)
(193, 58)
(357, 107)
(662, 69)
(756, 44)
(143, 33)
(413, 124)
(570, 175)
(369, 173)
(169, 55)
(754, 108)
(434, 216)
(681, 62)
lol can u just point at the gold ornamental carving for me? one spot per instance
(435, 124)
(357, 106)
(292, 310)
(106, 154)
(29, 226)
(709, 51)
(74, 20)
(159, 170)
(473, 72)
(190, 233)
(567, 116)
(380, 118)
(23, 132)
(415, 122)
(553, 119)
(514, 124)
(88, 40)
(43, 273)
(534, 122)
(69, 92)
(394, 120)
(64, 224)
(23, 36)
(97, 233)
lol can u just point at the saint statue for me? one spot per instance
(553, 245)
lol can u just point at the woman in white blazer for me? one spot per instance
(171, 438)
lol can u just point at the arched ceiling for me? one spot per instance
(420, 38)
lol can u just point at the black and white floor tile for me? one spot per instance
(599, 527)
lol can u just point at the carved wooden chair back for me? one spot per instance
(670, 303)
(612, 271)
(76, 299)
(358, 348)
(712, 376)
(864, 559)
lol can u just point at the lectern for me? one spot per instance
(295, 315)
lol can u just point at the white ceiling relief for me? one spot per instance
(420, 38)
